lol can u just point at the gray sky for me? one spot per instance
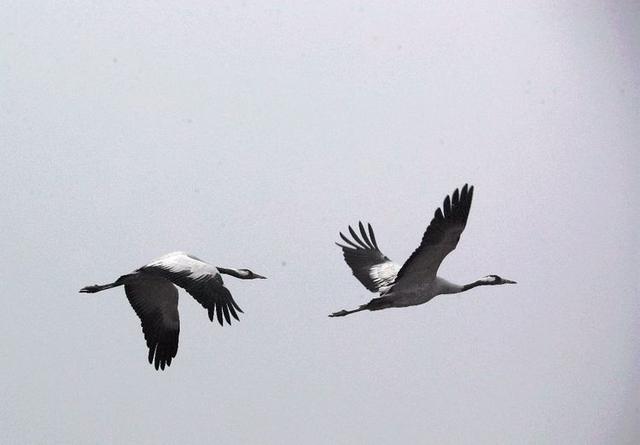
(249, 135)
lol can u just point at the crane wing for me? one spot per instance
(155, 300)
(201, 280)
(214, 297)
(369, 265)
(440, 238)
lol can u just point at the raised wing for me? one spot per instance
(201, 280)
(155, 300)
(440, 238)
(369, 265)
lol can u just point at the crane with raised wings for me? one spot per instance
(416, 282)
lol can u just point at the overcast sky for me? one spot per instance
(249, 134)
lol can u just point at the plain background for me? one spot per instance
(249, 134)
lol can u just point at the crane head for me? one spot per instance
(495, 279)
(246, 274)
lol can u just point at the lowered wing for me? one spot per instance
(155, 300)
(201, 280)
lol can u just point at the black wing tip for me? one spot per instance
(372, 236)
(364, 240)
(158, 359)
(164, 350)
(225, 315)
(466, 189)
(348, 241)
(460, 196)
(219, 315)
(363, 232)
(354, 235)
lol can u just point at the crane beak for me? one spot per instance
(509, 282)
(255, 275)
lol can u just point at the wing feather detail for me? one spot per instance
(155, 301)
(440, 238)
(201, 280)
(369, 265)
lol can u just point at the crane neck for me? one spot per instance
(446, 287)
(477, 283)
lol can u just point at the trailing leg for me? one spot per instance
(344, 312)
(100, 287)
(374, 305)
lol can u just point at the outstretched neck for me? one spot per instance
(474, 284)
(446, 287)
(233, 272)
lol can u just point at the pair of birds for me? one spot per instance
(152, 293)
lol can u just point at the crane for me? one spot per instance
(416, 281)
(153, 296)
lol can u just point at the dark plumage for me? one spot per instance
(153, 295)
(442, 234)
